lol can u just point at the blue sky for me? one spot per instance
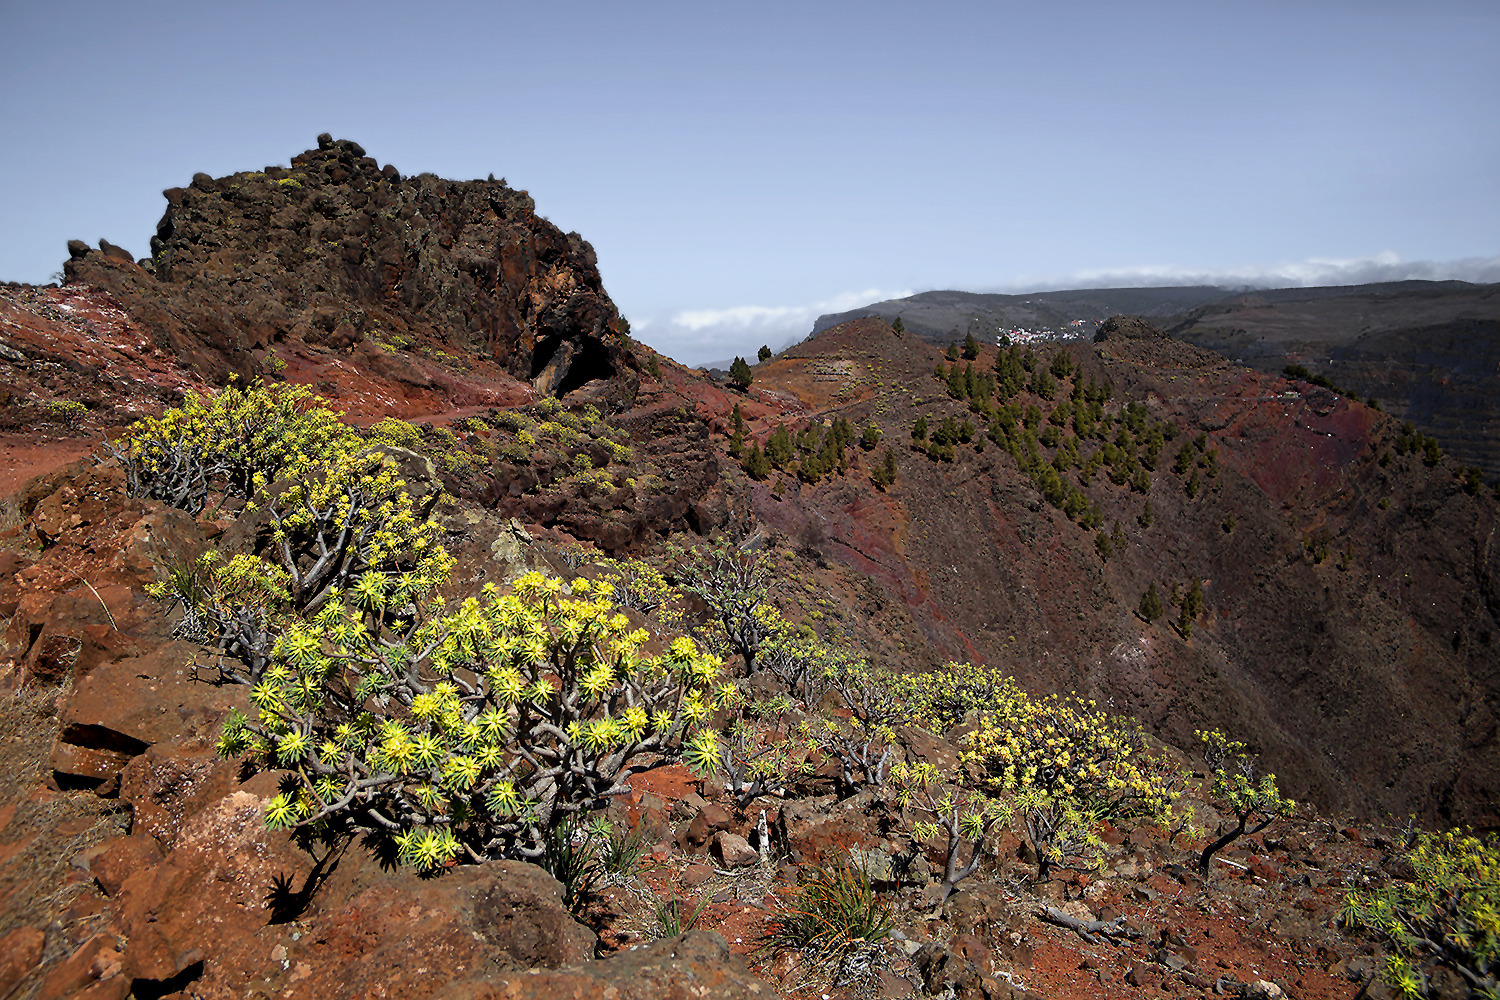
(742, 168)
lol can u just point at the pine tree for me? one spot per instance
(740, 375)
(956, 383)
(947, 432)
(764, 354)
(757, 465)
(1151, 607)
(1193, 602)
(870, 438)
(919, 429)
(1042, 383)
(898, 327)
(971, 347)
(1185, 622)
(737, 437)
(779, 449)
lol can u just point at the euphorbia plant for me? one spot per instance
(486, 729)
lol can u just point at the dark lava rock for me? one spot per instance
(338, 250)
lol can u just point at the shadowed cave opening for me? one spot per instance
(589, 362)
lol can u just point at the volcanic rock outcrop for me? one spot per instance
(336, 250)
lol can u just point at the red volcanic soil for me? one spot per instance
(23, 456)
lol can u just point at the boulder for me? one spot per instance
(123, 857)
(116, 252)
(93, 971)
(215, 888)
(710, 819)
(409, 936)
(165, 785)
(733, 851)
(126, 706)
(946, 972)
(20, 951)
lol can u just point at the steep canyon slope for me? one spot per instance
(1350, 619)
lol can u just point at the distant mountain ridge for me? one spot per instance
(941, 316)
(1428, 350)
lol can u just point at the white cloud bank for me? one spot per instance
(1314, 271)
(700, 336)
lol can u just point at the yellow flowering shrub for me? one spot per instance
(488, 728)
(1065, 747)
(838, 708)
(940, 699)
(1061, 765)
(338, 518)
(956, 817)
(1254, 804)
(734, 584)
(236, 443)
(395, 432)
(639, 585)
(1447, 913)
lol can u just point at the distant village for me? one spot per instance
(1078, 329)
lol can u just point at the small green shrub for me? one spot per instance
(833, 912)
(395, 432)
(673, 919)
(68, 412)
(572, 857)
(622, 848)
(510, 420)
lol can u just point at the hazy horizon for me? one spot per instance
(741, 171)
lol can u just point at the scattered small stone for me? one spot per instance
(732, 850)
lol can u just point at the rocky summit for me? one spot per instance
(929, 635)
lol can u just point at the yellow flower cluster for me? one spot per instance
(485, 727)
(1066, 749)
(395, 432)
(238, 442)
(941, 699)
